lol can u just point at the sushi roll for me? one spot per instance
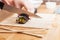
(22, 18)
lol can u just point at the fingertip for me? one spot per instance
(6, 2)
(16, 5)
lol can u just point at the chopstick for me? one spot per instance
(5, 29)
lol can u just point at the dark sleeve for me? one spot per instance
(1, 4)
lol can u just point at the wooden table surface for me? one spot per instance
(19, 36)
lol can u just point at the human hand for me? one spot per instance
(16, 3)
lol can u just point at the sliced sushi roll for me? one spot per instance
(22, 18)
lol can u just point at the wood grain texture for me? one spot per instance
(16, 36)
(4, 14)
(2, 38)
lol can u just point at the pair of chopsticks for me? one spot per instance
(21, 31)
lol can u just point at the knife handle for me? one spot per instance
(35, 11)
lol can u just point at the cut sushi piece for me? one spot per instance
(22, 18)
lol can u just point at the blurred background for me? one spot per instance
(57, 1)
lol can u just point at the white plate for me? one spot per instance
(44, 22)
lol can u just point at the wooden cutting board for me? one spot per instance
(4, 14)
(44, 22)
